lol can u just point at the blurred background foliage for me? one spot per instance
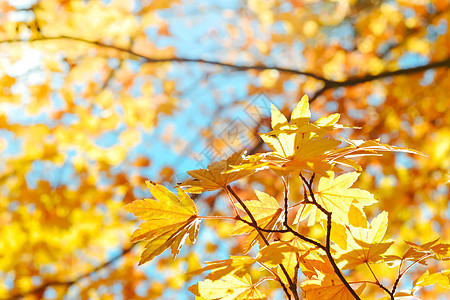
(98, 96)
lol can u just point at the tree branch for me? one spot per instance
(148, 59)
(328, 83)
(352, 81)
(75, 280)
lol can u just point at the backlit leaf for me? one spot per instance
(442, 279)
(330, 288)
(215, 177)
(336, 196)
(268, 215)
(229, 287)
(236, 265)
(168, 221)
(365, 245)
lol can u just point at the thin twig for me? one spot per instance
(406, 270)
(292, 287)
(262, 280)
(286, 192)
(327, 249)
(328, 84)
(277, 278)
(379, 283)
(289, 229)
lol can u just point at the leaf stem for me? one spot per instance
(262, 280)
(378, 282)
(230, 199)
(216, 218)
(277, 278)
(371, 271)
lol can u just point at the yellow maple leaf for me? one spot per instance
(287, 253)
(298, 144)
(216, 177)
(301, 145)
(359, 148)
(275, 253)
(441, 279)
(440, 251)
(415, 251)
(227, 288)
(336, 196)
(237, 265)
(268, 215)
(168, 221)
(365, 243)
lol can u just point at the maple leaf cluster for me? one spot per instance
(92, 91)
(341, 235)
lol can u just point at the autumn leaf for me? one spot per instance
(227, 288)
(322, 282)
(441, 279)
(267, 213)
(298, 145)
(336, 196)
(236, 265)
(329, 288)
(365, 245)
(214, 177)
(416, 252)
(358, 148)
(441, 251)
(168, 221)
(301, 145)
(432, 249)
(275, 253)
(287, 253)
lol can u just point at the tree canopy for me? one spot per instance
(98, 97)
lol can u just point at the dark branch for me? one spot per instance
(148, 59)
(366, 78)
(328, 83)
(352, 81)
